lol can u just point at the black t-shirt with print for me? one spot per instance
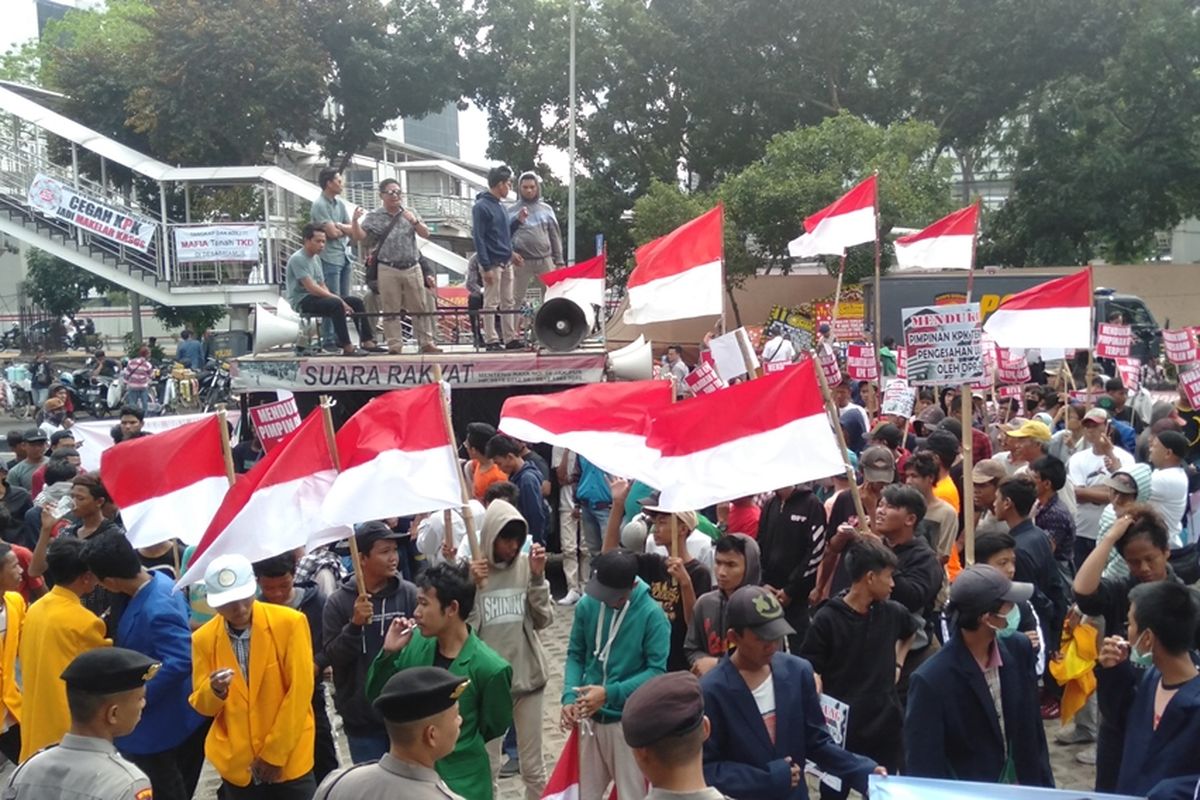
(663, 588)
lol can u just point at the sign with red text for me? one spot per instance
(1113, 341)
(1010, 392)
(1012, 370)
(902, 362)
(57, 199)
(274, 421)
(861, 364)
(704, 379)
(943, 343)
(1190, 383)
(829, 365)
(1180, 345)
(1130, 370)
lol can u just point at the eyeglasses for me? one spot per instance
(392, 193)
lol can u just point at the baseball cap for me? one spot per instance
(887, 433)
(229, 578)
(1096, 416)
(1174, 441)
(1032, 429)
(983, 585)
(755, 608)
(988, 470)
(1044, 418)
(687, 519)
(1122, 482)
(878, 464)
(34, 435)
(931, 415)
(371, 532)
(613, 574)
(664, 706)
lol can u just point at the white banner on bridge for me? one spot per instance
(57, 199)
(199, 243)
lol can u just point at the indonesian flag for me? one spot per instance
(1055, 315)
(679, 276)
(753, 437)
(168, 485)
(397, 458)
(948, 243)
(606, 423)
(848, 221)
(276, 506)
(564, 781)
(582, 283)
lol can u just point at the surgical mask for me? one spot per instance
(1011, 620)
(1138, 658)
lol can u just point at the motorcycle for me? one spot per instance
(18, 391)
(90, 392)
(12, 339)
(215, 384)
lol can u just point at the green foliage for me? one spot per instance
(21, 63)
(57, 286)
(197, 319)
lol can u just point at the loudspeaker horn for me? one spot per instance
(272, 330)
(561, 324)
(633, 362)
(284, 310)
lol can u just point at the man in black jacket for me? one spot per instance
(791, 535)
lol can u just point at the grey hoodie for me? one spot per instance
(539, 236)
(513, 604)
(706, 634)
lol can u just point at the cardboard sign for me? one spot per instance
(1012, 370)
(1180, 345)
(943, 343)
(772, 367)
(861, 364)
(202, 243)
(829, 365)
(274, 421)
(1010, 392)
(837, 717)
(898, 398)
(727, 354)
(902, 362)
(95, 216)
(704, 379)
(1113, 341)
(1130, 371)
(1190, 383)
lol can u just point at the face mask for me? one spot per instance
(1011, 620)
(1138, 658)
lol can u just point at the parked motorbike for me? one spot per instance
(215, 384)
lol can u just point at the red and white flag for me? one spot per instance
(1052, 315)
(397, 458)
(680, 275)
(849, 220)
(581, 283)
(948, 243)
(168, 485)
(753, 437)
(276, 506)
(564, 781)
(606, 423)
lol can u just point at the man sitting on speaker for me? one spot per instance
(307, 293)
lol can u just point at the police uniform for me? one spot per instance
(410, 695)
(86, 767)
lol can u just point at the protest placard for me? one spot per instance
(1180, 345)
(57, 199)
(837, 717)
(1010, 392)
(1113, 341)
(1130, 370)
(729, 356)
(1190, 383)
(829, 365)
(204, 243)
(861, 364)
(1012, 369)
(704, 379)
(898, 398)
(274, 421)
(943, 344)
(901, 362)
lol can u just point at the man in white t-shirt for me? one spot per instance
(1169, 482)
(778, 350)
(1087, 471)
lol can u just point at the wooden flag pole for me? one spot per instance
(675, 519)
(467, 515)
(747, 354)
(968, 439)
(447, 514)
(831, 409)
(331, 440)
(226, 449)
(837, 294)
(878, 326)
(1091, 337)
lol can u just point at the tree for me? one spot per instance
(197, 319)
(57, 286)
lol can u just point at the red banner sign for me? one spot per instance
(1190, 383)
(1012, 370)
(829, 365)
(274, 421)
(902, 363)
(1010, 392)
(1130, 370)
(861, 364)
(704, 379)
(1180, 345)
(1113, 341)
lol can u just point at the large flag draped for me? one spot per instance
(948, 243)
(1056, 315)
(606, 423)
(582, 283)
(753, 437)
(397, 459)
(847, 221)
(276, 506)
(680, 275)
(168, 485)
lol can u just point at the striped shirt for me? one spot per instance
(137, 373)
(240, 642)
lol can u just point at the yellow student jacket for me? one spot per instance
(10, 691)
(57, 628)
(270, 716)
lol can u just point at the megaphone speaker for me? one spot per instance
(561, 325)
(271, 330)
(633, 362)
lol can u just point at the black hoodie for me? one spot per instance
(351, 648)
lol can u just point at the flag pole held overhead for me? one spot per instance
(467, 515)
(447, 514)
(327, 419)
(835, 421)
(226, 449)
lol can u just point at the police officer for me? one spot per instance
(106, 692)
(419, 706)
(664, 724)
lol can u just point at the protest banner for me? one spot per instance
(837, 717)
(771, 367)
(902, 362)
(274, 421)
(732, 353)
(893, 787)
(1012, 370)
(1113, 341)
(1190, 383)
(704, 379)
(1180, 345)
(829, 365)
(861, 364)
(60, 200)
(943, 344)
(898, 398)
(201, 243)
(1010, 392)
(1130, 371)
(849, 323)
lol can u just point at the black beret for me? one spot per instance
(666, 705)
(419, 692)
(109, 670)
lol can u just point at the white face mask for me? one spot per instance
(1011, 620)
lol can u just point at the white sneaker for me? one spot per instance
(570, 598)
(1087, 756)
